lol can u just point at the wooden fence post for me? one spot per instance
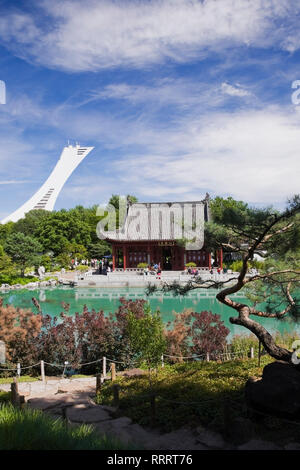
(104, 367)
(18, 369)
(2, 352)
(15, 399)
(152, 409)
(98, 383)
(116, 395)
(207, 357)
(259, 353)
(43, 371)
(113, 371)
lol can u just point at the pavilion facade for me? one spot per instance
(168, 234)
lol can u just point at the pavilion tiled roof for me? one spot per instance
(155, 221)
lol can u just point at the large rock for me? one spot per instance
(256, 444)
(278, 392)
(82, 413)
(211, 439)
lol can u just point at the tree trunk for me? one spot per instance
(267, 340)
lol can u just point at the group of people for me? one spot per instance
(103, 266)
(153, 269)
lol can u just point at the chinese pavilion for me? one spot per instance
(169, 234)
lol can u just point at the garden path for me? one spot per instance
(72, 400)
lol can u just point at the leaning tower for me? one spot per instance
(46, 196)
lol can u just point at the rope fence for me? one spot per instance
(225, 356)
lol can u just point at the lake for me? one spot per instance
(107, 299)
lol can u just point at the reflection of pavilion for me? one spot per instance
(171, 234)
(117, 293)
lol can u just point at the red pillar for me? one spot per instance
(114, 257)
(209, 261)
(221, 258)
(124, 257)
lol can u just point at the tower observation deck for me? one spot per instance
(46, 196)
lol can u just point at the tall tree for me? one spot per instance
(24, 250)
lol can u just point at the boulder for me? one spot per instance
(257, 444)
(211, 439)
(82, 413)
(240, 430)
(277, 393)
(292, 446)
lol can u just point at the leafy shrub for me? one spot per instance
(243, 343)
(236, 266)
(142, 265)
(13, 279)
(178, 336)
(146, 337)
(208, 333)
(19, 329)
(82, 268)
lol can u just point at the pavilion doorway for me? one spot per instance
(166, 259)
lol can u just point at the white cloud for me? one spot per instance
(249, 154)
(92, 35)
(252, 156)
(234, 90)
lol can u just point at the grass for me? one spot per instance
(24, 378)
(207, 394)
(187, 393)
(80, 376)
(33, 430)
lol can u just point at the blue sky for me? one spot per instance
(179, 98)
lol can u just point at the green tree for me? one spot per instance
(28, 224)
(25, 251)
(99, 249)
(6, 264)
(62, 228)
(5, 231)
(120, 204)
(146, 337)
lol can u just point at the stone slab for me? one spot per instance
(84, 414)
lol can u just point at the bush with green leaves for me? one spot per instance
(142, 265)
(82, 268)
(14, 279)
(146, 337)
(190, 265)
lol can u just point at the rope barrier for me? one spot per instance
(229, 354)
(183, 357)
(30, 367)
(120, 362)
(55, 365)
(93, 362)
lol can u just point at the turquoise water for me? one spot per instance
(107, 299)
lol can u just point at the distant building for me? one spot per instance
(46, 196)
(170, 234)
